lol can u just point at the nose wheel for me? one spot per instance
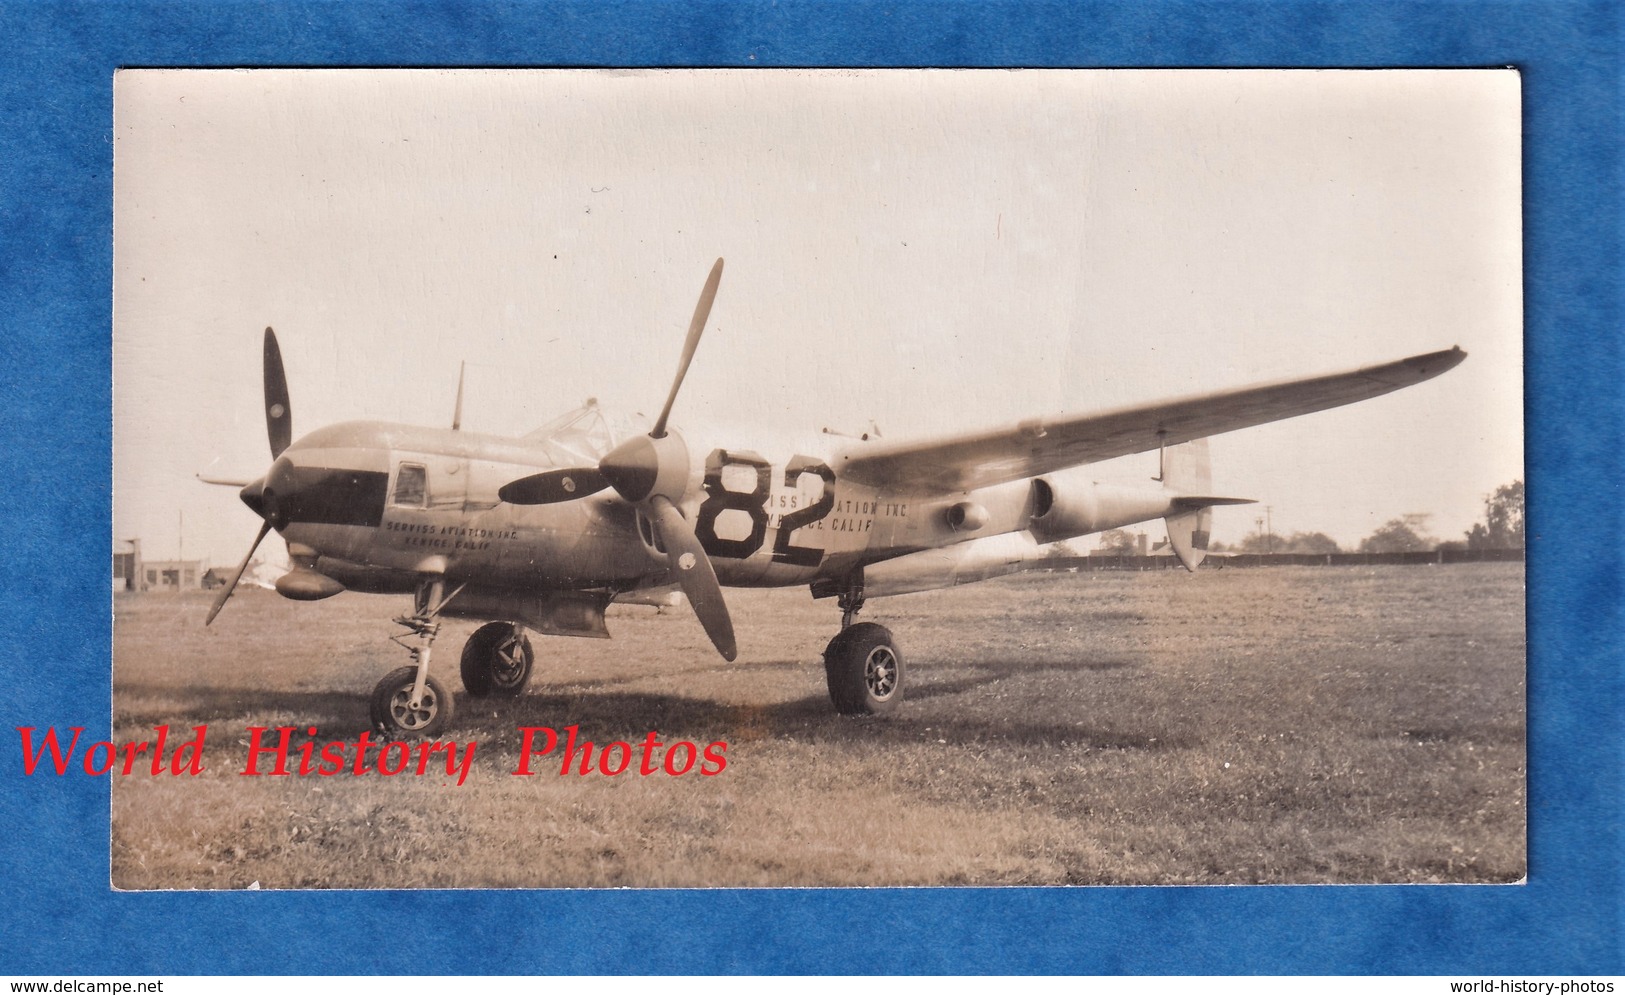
(394, 713)
(864, 670)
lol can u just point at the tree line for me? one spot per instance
(1501, 528)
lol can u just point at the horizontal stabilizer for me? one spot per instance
(1193, 501)
(223, 482)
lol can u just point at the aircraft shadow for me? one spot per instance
(810, 719)
(152, 704)
(606, 715)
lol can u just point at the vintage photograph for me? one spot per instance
(803, 478)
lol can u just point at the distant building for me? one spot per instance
(172, 575)
(127, 566)
(1116, 543)
(132, 573)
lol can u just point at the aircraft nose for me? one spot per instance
(314, 487)
(269, 495)
(253, 495)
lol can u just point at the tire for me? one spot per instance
(497, 660)
(391, 714)
(864, 670)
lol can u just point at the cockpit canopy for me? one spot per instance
(583, 435)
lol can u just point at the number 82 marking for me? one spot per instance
(754, 504)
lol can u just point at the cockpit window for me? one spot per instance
(587, 433)
(411, 486)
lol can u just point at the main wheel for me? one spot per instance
(497, 660)
(392, 712)
(864, 669)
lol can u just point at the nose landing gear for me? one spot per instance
(411, 700)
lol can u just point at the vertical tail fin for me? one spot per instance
(1188, 474)
(1186, 469)
(1188, 534)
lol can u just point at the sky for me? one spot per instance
(922, 251)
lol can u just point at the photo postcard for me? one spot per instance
(806, 478)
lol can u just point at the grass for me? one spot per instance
(1361, 724)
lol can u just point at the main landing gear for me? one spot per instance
(862, 664)
(497, 661)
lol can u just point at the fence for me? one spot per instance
(1220, 560)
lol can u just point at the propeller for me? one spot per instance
(278, 417)
(692, 569)
(652, 471)
(279, 427)
(696, 325)
(554, 486)
(225, 592)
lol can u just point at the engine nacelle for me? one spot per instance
(964, 563)
(552, 613)
(1064, 507)
(665, 596)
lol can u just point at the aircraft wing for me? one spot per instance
(1039, 446)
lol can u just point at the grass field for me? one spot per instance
(1239, 726)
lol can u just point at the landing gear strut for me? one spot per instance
(850, 601)
(411, 700)
(862, 664)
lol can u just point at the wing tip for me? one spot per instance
(1432, 364)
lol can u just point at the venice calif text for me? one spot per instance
(288, 751)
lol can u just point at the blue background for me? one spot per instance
(58, 914)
